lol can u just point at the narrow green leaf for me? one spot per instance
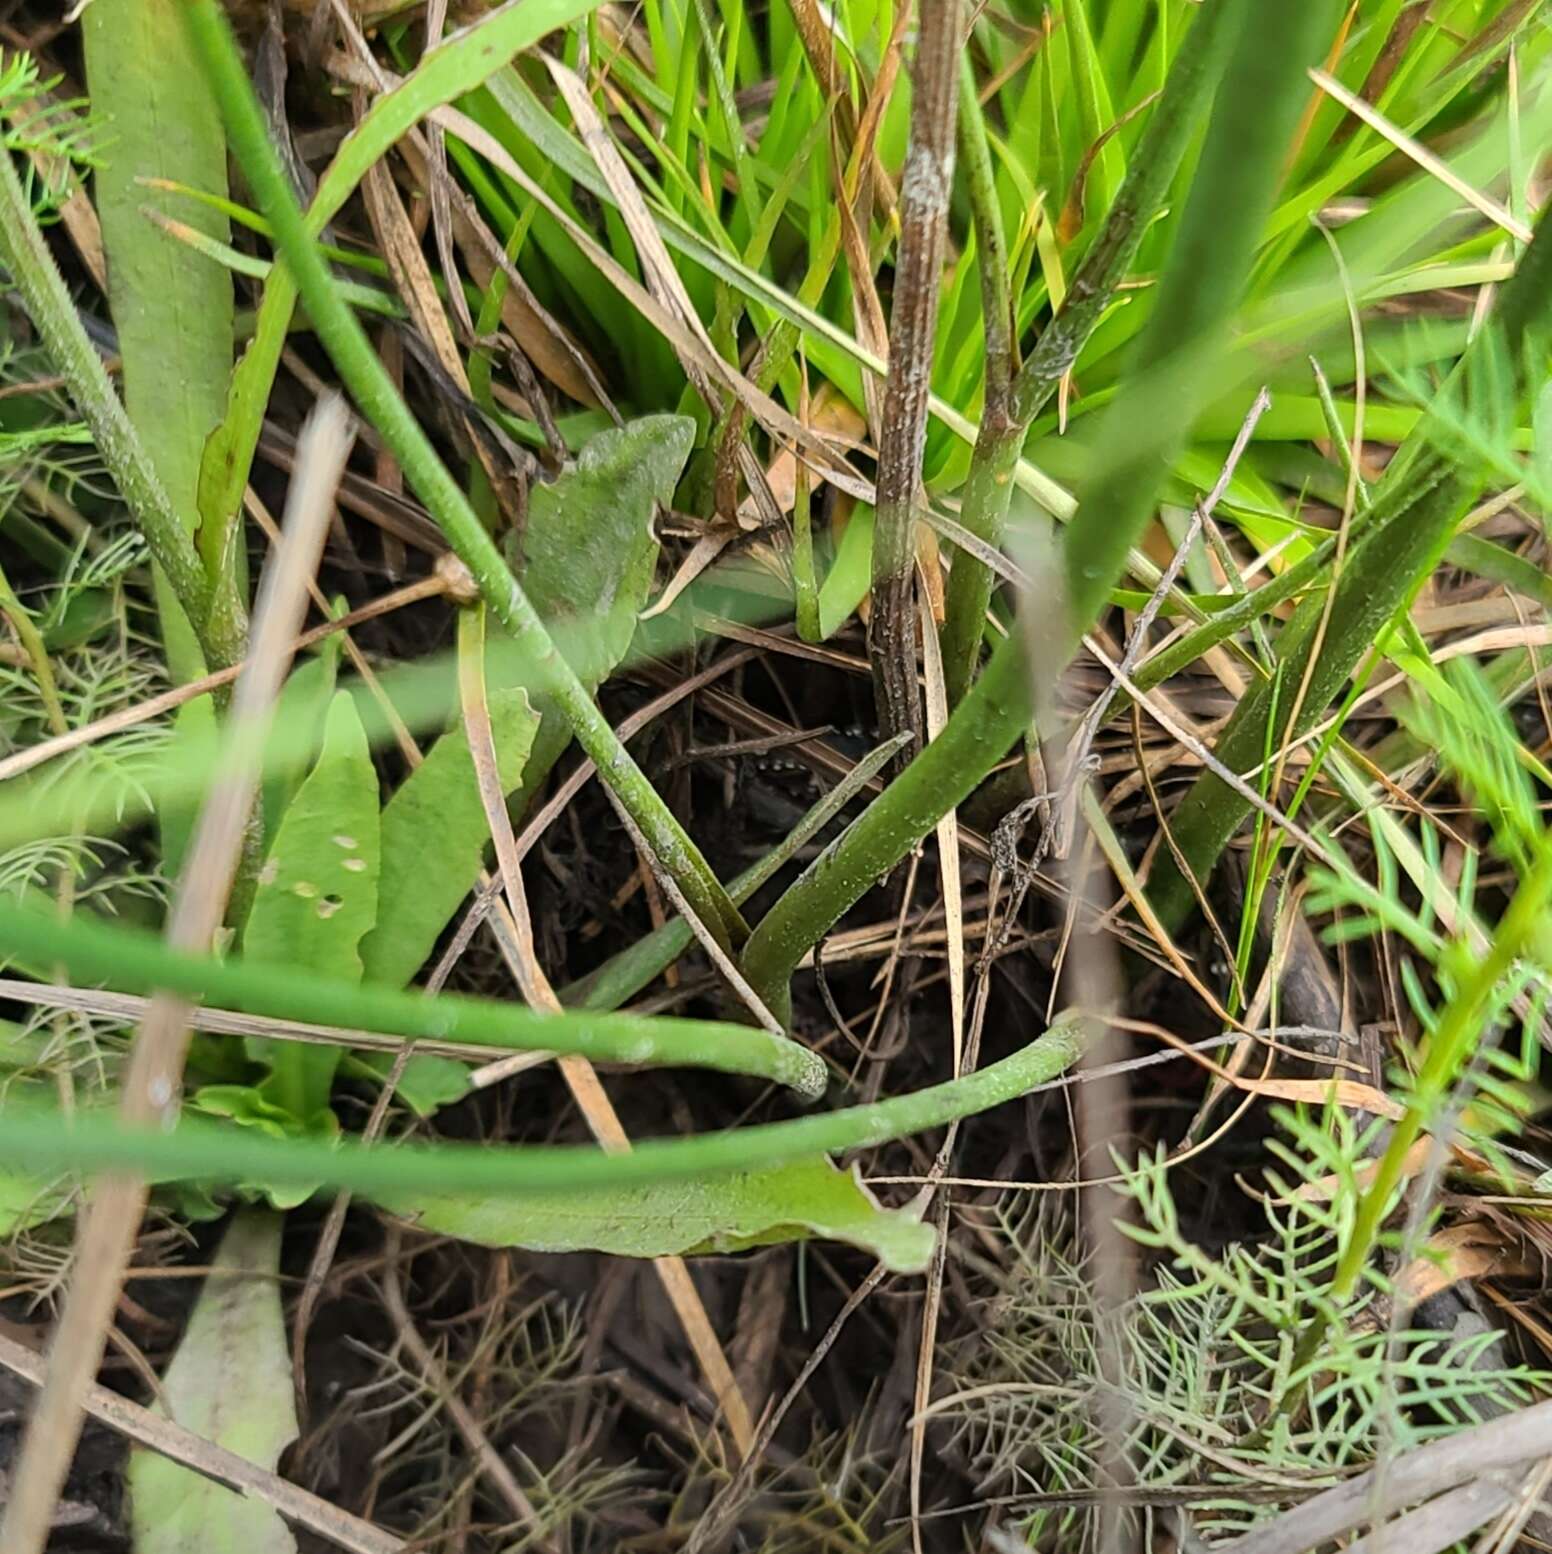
(1253, 118)
(172, 308)
(1416, 507)
(846, 583)
(316, 896)
(829, 347)
(792, 1202)
(230, 1382)
(434, 834)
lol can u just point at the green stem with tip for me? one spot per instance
(42, 1140)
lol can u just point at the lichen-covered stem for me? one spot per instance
(913, 318)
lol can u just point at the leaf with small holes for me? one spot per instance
(316, 897)
(230, 1383)
(712, 1214)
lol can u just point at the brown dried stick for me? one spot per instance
(913, 317)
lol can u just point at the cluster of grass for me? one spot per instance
(903, 343)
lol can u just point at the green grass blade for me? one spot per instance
(1000, 439)
(1415, 510)
(1232, 191)
(457, 67)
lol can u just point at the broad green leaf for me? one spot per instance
(588, 548)
(426, 1085)
(230, 1382)
(249, 1107)
(316, 896)
(196, 741)
(589, 555)
(793, 1202)
(171, 307)
(434, 833)
(304, 704)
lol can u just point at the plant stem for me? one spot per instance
(913, 318)
(26, 255)
(41, 1141)
(974, 739)
(341, 334)
(1207, 268)
(1007, 416)
(624, 975)
(130, 961)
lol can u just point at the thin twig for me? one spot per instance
(439, 583)
(153, 1079)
